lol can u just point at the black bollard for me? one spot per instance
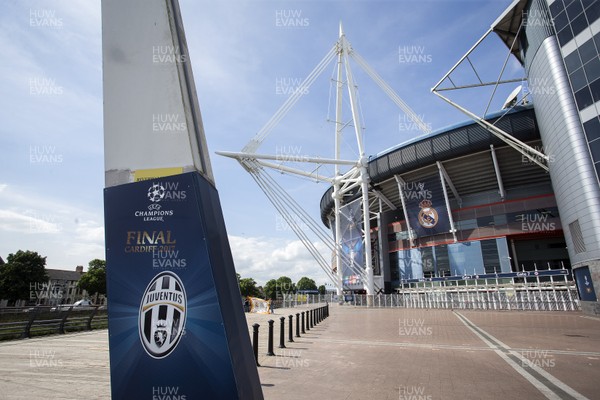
(282, 333)
(255, 342)
(291, 329)
(308, 320)
(297, 324)
(303, 332)
(270, 350)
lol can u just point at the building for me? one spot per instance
(61, 288)
(558, 45)
(460, 201)
(503, 216)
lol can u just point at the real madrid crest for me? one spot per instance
(162, 314)
(428, 216)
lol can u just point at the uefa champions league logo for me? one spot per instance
(156, 193)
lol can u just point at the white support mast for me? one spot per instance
(337, 196)
(346, 50)
(344, 182)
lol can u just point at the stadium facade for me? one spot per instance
(460, 201)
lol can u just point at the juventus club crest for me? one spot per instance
(162, 314)
(428, 216)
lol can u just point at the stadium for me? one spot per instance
(465, 204)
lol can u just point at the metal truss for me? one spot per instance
(532, 154)
(344, 183)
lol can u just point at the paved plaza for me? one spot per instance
(360, 353)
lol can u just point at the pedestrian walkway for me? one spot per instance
(360, 353)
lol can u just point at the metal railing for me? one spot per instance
(25, 322)
(295, 300)
(517, 297)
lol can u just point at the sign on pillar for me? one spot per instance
(176, 321)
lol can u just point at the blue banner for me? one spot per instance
(352, 243)
(425, 206)
(176, 322)
(585, 285)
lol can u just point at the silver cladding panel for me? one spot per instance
(538, 27)
(573, 179)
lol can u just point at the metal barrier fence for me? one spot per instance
(25, 322)
(294, 300)
(518, 297)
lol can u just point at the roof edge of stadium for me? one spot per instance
(377, 173)
(507, 26)
(448, 128)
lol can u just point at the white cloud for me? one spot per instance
(67, 234)
(269, 258)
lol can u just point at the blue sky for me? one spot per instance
(245, 55)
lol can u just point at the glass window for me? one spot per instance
(560, 21)
(572, 61)
(587, 51)
(593, 11)
(598, 168)
(556, 7)
(578, 79)
(491, 260)
(486, 221)
(592, 129)
(579, 24)
(565, 35)
(394, 272)
(442, 261)
(595, 88)
(427, 259)
(597, 40)
(595, 149)
(465, 257)
(574, 9)
(584, 98)
(592, 69)
(467, 224)
(500, 219)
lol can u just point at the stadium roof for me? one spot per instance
(464, 149)
(508, 24)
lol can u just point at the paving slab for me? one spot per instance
(360, 353)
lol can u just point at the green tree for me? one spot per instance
(270, 289)
(248, 287)
(22, 272)
(306, 284)
(322, 289)
(285, 286)
(94, 280)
